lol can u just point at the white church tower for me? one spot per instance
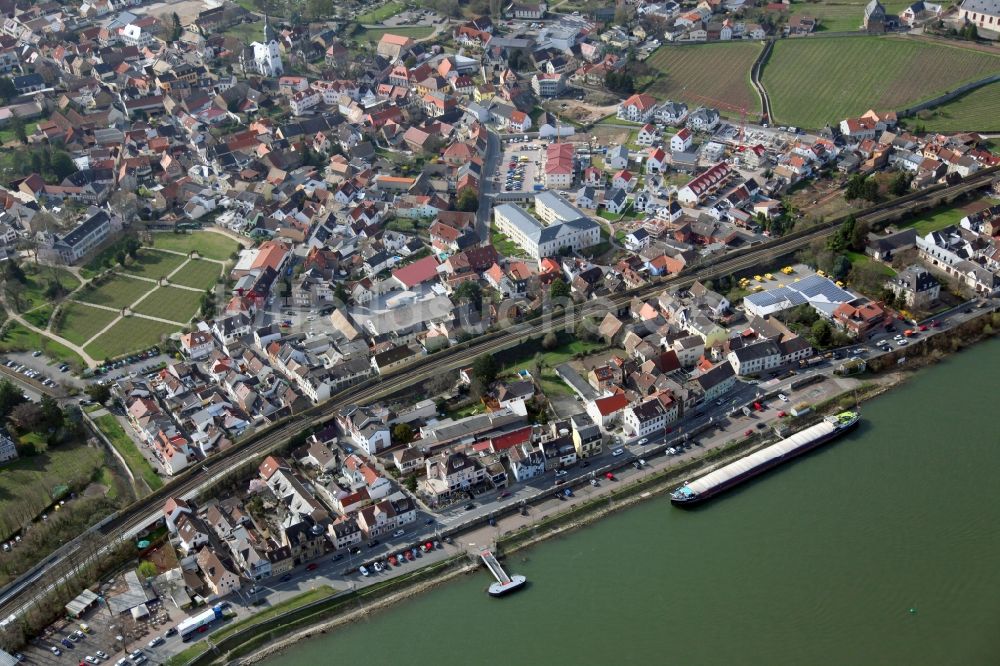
(266, 56)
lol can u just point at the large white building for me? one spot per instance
(266, 57)
(983, 13)
(541, 241)
(650, 417)
(821, 293)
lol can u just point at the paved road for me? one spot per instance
(491, 164)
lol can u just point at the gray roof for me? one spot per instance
(758, 350)
(525, 223)
(562, 208)
(991, 7)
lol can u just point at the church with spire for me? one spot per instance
(263, 58)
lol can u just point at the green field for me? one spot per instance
(412, 31)
(198, 273)
(945, 216)
(117, 292)
(813, 82)
(170, 303)
(246, 32)
(19, 338)
(700, 74)
(154, 265)
(37, 279)
(128, 450)
(840, 15)
(977, 111)
(81, 322)
(26, 484)
(208, 243)
(128, 335)
(387, 10)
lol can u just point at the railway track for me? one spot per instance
(21, 594)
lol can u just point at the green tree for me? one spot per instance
(146, 568)
(900, 184)
(841, 267)
(52, 415)
(411, 483)
(176, 30)
(16, 125)
(10, 397)
(121, 257)
(485, 368)
(859, 236)
(550, 341)
(26, 417)
(99, 393)
(821, 333)
(559, 289)
(469, 292)
(467, 200)
(402, 433)
(7, 89)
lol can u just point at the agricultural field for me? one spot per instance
(813, 82)
(27, 484)
(170, 303)
(128, 335)
(977, 111)
(117, 292)
(198, 273)
(683, 74)
(208, 243)
(154, 265)
(79, 322)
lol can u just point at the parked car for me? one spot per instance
(54, 650)
(67, 642)
(398, 533)
(157, 640)
(782, 397)
(312, 566)
(618, 452)
(560, 472)
(644, 440)
(91, 660)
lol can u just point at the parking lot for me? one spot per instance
(521, 167)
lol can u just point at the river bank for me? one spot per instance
(925, 352)
(820, 561)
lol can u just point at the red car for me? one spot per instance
(609, 476)
(923, 327)
(748, 433)
(782, 415)
(312, 566)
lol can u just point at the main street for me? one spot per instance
(132, 520)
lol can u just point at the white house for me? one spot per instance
(650, 417)
(755, 358)
(647, 135)
(681, 141)
(638, 108)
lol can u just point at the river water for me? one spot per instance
(882, 548)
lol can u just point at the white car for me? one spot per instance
(398, 533)
(644, 440)
(782, 397)
(618, 452)
(156, 641)
(560, 472)
(902, 342)
(363, 570)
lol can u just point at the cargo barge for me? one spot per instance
(713, 483)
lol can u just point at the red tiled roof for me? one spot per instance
(418, 272)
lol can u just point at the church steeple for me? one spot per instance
(269, 34)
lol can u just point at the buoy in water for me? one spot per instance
(913, 611)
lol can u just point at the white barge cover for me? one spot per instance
(754, 460)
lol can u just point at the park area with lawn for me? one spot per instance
(198, 273)
(79, 322)
(153, 264)
(208, 244)
(682, 74)
(813, 82)
(411, 31)
(173, 303)
(128, 335)
(117, 292)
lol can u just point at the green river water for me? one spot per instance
(817, 562)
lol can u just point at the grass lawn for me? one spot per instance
(40, 316)
(682, 74)
(154, 265)
(387, 10)
(208, 243)
(19, 338)
(246, 32)
(170, 303)
(561, 354)
(944, 216)
(505, 245)
(198, 273)
(412, 31)
(117, 292)
(817, 81)
(840, 15)
(128, 335)
(553, 385)
(304, 599)
(975, 111)
(81, 322)
(128, 450)
(27, 484)
(7, 134)
(38, 279)
(859, 258)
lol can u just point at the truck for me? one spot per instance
(539, 187)
(199, 623)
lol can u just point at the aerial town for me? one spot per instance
(304, 296)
